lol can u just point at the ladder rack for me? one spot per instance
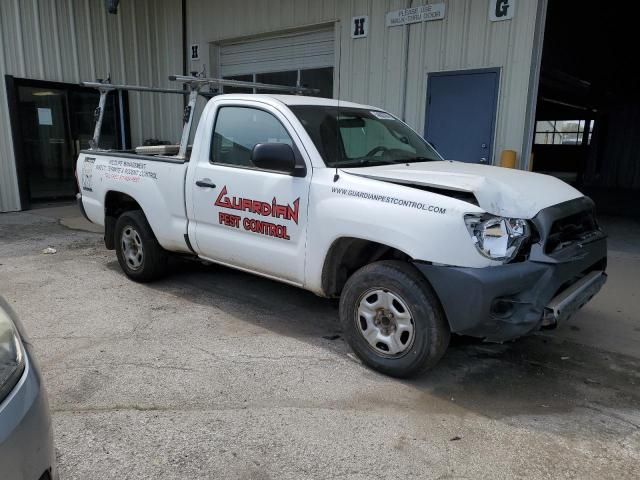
(194, 87)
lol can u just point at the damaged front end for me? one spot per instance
(561, 268)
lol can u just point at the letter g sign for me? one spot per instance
(501, 10)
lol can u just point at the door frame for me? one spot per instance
(469, 71)
(534, 84)
(123, 132)
(209, 120)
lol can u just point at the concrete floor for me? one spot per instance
(213, 373)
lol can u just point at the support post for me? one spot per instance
(99, 115)
(189, 110)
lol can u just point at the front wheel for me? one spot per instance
(139, 253)
(393, 319)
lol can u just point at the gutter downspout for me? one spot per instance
(406, 65)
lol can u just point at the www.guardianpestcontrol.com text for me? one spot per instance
(387, 199)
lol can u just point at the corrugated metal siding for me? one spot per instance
(379, 70)
(74, 40)
(466, 39)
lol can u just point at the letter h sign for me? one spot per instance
(359, 27)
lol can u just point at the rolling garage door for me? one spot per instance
(294, 59)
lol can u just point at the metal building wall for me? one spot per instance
(74, 40)
(389, 68)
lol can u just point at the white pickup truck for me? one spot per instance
(347, 201)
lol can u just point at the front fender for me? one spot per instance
(425, 225)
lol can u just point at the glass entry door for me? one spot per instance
(46, 143)
(55, 121)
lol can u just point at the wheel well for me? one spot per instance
(115, 204)
(347, 255)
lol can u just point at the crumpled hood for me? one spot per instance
(500, 191)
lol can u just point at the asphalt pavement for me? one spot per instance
(213, 373)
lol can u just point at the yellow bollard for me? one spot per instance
(508, 159)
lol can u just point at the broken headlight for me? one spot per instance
(497, 238)
(11, 355)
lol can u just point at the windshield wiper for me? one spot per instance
(370, 162)
(363, 162)
(412, 160)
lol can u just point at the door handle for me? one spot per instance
(205, 183)
(483, 159)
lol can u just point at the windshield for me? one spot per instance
(355, 137)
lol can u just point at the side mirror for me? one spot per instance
(278, 157)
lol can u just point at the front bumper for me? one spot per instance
(26, 436)
(508, 301)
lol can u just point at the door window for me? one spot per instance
(46, 142)
(239, 129)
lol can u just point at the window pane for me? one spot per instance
(289, 78)
(239, 129)
(544, 126)
(361, 136)
(244, 78)
(320, 78)
(346, 136)
(562, 132)
(543, 138)
(567, 125)
(569, 138)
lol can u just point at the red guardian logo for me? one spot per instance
(265, 209)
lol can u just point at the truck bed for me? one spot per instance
(156, 182)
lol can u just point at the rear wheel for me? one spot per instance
(139, 253)
(393, 319)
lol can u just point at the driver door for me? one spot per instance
(244, 216)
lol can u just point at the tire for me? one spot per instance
(415, 332)
(139, 254)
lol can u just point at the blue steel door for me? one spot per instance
(461, 112)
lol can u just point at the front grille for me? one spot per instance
(568, 230)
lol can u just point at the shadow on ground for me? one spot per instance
(536, 375)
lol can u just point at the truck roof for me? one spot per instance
(295, 100)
